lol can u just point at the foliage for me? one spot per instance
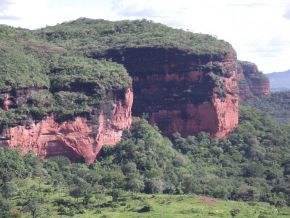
(277, 104)
(44, 74)
(20, 70)
(100, 35)
(251, 165)
(87, 75)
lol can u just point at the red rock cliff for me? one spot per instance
(74, 139)
(183, 92)
(251, 82)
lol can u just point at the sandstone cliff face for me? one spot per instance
(252, 82)
(80, 138)
(182, 92)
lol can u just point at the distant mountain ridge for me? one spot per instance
(279, 81)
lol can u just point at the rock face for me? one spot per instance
(252, 82)
(80, 138)
(180, 91)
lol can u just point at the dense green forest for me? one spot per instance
(277, 104)
(251, 165)
(86, 34)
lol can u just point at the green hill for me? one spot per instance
(99, 35)
(280, 81)
(277, 105)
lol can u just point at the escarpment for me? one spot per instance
(251, 82)
(81, 137)
(181, 91)
(54, 104)
(185, 82)
(68, 91)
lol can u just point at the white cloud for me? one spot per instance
(258, 29)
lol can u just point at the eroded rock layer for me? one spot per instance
(252, 82)
(76, 139)
(181, 91)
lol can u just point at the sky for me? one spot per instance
(259, 30)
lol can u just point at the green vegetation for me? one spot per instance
(56, 59)
(100, 35)
(20, 70)
(277, 104)
(251, 165)
(76, 73)
(64, 81)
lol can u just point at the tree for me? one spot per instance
(36, 205)
(9, 189)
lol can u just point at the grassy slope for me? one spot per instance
(162, 206)
(187, 206)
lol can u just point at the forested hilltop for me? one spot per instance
(63, 81)
(86, 34)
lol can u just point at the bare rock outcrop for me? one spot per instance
(251, 82)
(80, 138)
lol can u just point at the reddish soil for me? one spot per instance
(208, 201)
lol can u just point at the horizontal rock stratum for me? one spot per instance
(181, 91)
(68, 89)
(251, 82)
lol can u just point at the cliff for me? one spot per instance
(251, 82)
(66, 89)
(185, 82)
(181, 91)
(153, 52)
(75, 139)
(57, 102)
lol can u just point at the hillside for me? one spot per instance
(251, 165)
(46, 89)
(280, 81)
(277, 105)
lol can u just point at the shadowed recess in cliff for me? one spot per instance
(57, 148)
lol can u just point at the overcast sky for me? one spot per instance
(259, 30)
